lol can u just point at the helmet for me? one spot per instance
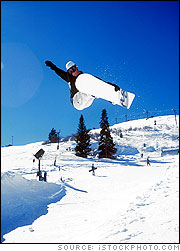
(69, 65)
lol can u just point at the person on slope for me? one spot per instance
(78, 99)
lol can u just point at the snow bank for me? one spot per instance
(127, 150)
(23, 201)
(148, 149)
(170, 152)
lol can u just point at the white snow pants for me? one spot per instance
(82, 100)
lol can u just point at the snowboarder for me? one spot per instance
(93, 169)
(93, 172)
(78, 99)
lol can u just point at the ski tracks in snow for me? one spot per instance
(142, 222)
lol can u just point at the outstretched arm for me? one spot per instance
(64, 75)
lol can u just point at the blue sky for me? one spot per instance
(132, 44)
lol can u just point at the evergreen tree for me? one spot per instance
(82, 138)
(106, 147)
(53, 137)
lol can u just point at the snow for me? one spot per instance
(24, 200)
(125, 202)
(169, 152)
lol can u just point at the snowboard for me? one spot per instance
(91, 85)
(93, 169)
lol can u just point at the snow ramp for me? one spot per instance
(23, 201)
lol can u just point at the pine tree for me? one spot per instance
(53, 137)
(106, 147)
(82, 138)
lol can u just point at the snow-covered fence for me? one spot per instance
(169, 152)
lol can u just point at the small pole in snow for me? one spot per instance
(55, 162)
(175, 115)
(45, 176)
(39, 168)
(58, 139)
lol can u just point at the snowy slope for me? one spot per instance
(126, 201)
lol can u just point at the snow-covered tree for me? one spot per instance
(106, 147)
(82, 138)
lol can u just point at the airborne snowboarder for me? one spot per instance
(81, 95)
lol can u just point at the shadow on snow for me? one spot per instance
(23, 201)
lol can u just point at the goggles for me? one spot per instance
(72, 69)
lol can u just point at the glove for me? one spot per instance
(50, 64)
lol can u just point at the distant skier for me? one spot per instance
(78, 99)
(148, 161)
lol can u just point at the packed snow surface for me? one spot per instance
(125, 202)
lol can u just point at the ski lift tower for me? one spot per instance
(38, 156)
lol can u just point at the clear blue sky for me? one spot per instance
(133, 44)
